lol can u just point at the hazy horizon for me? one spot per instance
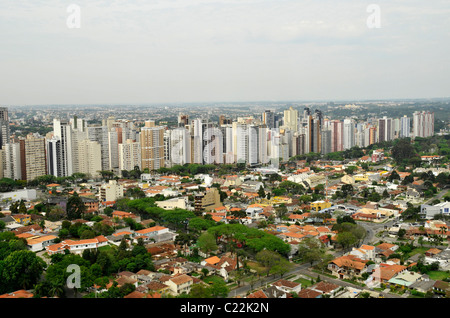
(222, 51)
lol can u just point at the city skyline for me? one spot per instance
(262, 139)
(200, 51)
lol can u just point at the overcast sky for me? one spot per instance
(221, 50)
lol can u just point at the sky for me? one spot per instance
(175, 51)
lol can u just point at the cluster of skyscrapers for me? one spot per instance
(116, 145)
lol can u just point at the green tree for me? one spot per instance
(20, 270)
(207, 242)
(261, 192)
(75, 207)
(403, 151)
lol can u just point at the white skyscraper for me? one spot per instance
(291, 119)
(197, 147)
(113, 143)
(89, 160)
(227, 135)
(405, 127)
(241, 142)
(11, 161)
(129, 155)
(423, 124)
(348, 133)
(253, 144)
(180, 146)
(100, 134)
(62, 131)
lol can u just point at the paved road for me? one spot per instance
(303, 269)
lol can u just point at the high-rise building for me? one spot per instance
(384, 129)
(405, 127)
(224, 121)
(100, 134)
(241, 142)
(268, 118)
(114, 139)
(227, 148)
(212, 144)
(129, 155)
(337, 135)
(183, 120)
(423, 124)
(152, 146)
(326, 141)
(4, 126)
(77, 136)
(33, 157)
(180, 146)
(90, 157)
(348, 139)
(253, 142)
(197, 141)
(62, 131)
(313, 133)
(12, 168)
(291, 119)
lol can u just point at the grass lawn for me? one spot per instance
(438, 275)
(212, 279)
(418, 250)
(305, 282)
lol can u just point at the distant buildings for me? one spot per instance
(152, 146)
(423, 124)
(117, 145)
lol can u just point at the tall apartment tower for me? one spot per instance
(89, 161)
(33, 157)
(268, 118)
(11, 161)
(423, 124)
(326, 141)
(337, 135)
(405, 127)
(100, 134)
(183, 120)
(384, 129)
(4, 126)
(152, 146)
(197, 141)
(180, 146)
(348, 140)
(291, 119)
(62, 132)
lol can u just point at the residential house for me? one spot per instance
(366, 252)
(347, 266)
(384, 272)
(22, 219)
(157, 233)
(38, 243)
(223, 265)
(405, 279)
(384, 250)
(78, 246)
(309, 293)
(180, 284)
(441, 287)
(326, 288)
(287, 286)
(423, 285)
